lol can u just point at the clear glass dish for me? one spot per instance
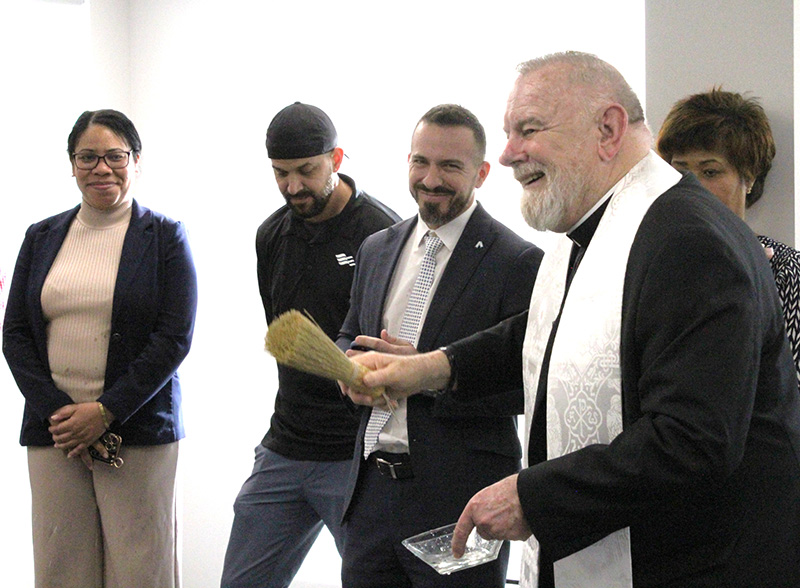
(434, 547)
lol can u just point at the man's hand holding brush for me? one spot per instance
(396, 366)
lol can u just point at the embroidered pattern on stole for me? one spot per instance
(584, 388)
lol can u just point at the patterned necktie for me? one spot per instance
(409, 328)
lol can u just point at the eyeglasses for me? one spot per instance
(114, 159)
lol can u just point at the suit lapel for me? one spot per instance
(475, 242)
(386, 261)
(47, 245)
(134, 249)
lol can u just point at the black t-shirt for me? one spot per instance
(310, 267)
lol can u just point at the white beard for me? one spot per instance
(546, 209)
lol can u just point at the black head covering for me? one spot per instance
(299, 131)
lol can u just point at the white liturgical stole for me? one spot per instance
(584, 388)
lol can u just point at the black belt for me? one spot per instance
(396, 466)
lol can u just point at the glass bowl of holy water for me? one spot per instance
(434, 547)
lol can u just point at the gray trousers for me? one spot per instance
(278, 515)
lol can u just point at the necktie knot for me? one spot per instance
(432, 244)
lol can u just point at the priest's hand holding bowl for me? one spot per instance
(497, 514)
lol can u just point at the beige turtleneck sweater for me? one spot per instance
(77, 297)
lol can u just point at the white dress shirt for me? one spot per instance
(394, 436)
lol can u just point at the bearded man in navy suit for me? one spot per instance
(433, 455)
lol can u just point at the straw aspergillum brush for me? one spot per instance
(297, 341)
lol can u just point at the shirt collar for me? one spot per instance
(110, 217)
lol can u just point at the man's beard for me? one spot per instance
(434, 213)
(318, 200)
(547, 208)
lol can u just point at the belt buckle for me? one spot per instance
(382, 463)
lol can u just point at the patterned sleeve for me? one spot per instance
(785, 265)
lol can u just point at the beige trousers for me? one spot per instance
(106, 527)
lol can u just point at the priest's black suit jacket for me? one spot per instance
(456, 448)
(706, 472)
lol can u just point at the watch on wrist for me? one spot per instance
(451, 359)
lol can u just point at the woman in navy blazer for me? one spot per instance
(100, 315)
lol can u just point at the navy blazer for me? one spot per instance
(456, 448)
(153, 312)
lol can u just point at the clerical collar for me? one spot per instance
(582, 231)
(582, 234)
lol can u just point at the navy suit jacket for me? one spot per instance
(155, 299)
(456, 448)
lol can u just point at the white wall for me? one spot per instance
(745, 46)
(39, 45)
(202, 79)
